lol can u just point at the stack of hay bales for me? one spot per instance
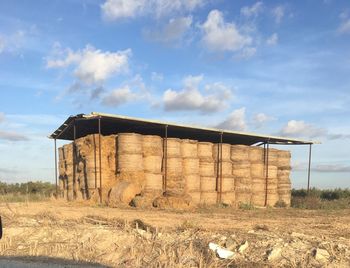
(207, 173)
(174, 179)
(152, 162)
(223, 171)
(257, 172)
(190, 169)
(241, 173)
(62, 174)
(69, 170)
(283, 173)
(272, 194)
(130, 158)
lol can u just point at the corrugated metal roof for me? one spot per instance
(112, 124)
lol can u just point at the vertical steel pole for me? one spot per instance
(309, 169)
(220, 198)
(100, 156)
(165, 177)
(267, 171)
(56, 168)
(95, 160)
(74, 159)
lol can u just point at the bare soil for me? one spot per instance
(75, 234)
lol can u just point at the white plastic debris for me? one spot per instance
(222, 253)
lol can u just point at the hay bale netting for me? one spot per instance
(207, 184)
(189, 148)
(226, 151)
(205, 151)
(209, 198)
(225, 168)
(239, 153)
(123, 193)
(241, 169)
(152, 163)
(129, 143)
(256, 154)
(283, 160)
(153, 183)
(206, 168)
(193, 182)
(152, 145)
(190, 166)
(173, 147)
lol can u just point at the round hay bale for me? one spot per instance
(136, 177)
(152, 145)
(130, 162)
(239, 153)
(152, 163)
(68, 152)
(173, 147)
(195, 196)
(193, 182)
(228, 198)
(123, 192)
(175, 184)
(60, 154)
(129, 143)
(174, 166)
(205, 150)
(273, 156)
(225, 168)
(190, 166)
(209, 198)
(174, 202)
(243, 197)
(228, 184)
(143, 201)
(189, 148)
(242, 185)
(207, 184)
(258, 199)
(256, 154)
(206, 168)
(257, 170)
(241, 169)
(153, 182)
(226, 152)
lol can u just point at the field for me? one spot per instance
(74, 234)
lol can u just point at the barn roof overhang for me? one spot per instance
(84, 124)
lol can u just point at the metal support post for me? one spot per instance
(165, 144)
(74, 159)
(100, 156)
(309, 169)
(56, 181)
(267, 171)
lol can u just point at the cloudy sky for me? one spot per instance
(273, 67)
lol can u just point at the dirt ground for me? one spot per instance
(65, 234)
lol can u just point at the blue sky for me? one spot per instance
(273, 67)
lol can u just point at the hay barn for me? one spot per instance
(121, 160)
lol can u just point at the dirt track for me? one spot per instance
(131, 237)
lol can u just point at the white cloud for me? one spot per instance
(191, 98)
(235, 121)
(92, 65)
(156, 76)
(246, 53)
(172, 32)
(12, 42)
(296, 128)
(253, 10)
(344, 27)
(322, 168)
(2, 117)
(260, 119)
(219, 35)
(12, 136)
(119, 96)
(272, 40)
(122, 9)
(278, 13)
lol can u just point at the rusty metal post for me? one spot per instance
(220, 199)
(165, 144)
(74, 158)
(309, 169)
(95, 161)
(100, 156)
(267, 171)
(56, 181)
